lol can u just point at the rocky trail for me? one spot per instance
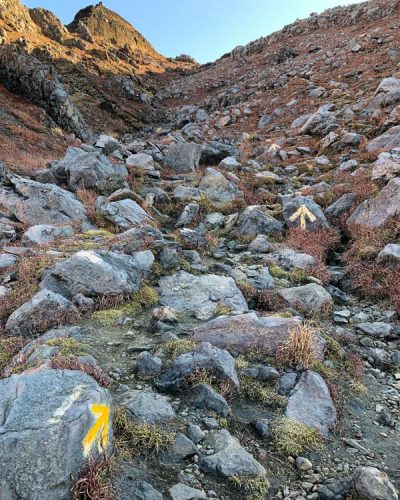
(202, 303)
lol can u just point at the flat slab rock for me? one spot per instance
(311, 403)
(229, 457)
(199, 296)
(247, 331)
(148, 406)
(44, 417)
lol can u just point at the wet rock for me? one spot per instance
(372, 484)
(247, 331)
(311, 403)
(205, 357)
(183, 157)
(308, 298)
(45, 310)
(376, 211)
(44, 418)
(148, 406)
(199, 296)
(218, 189)
(42, 234)
(254, 221)
(125, 213)
(93, 273)
(229, 457)
(204, 396)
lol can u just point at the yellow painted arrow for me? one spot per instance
(99, 431)
(303, 212)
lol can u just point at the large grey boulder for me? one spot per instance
(205, 357)
(320, 123)
(33, 203)
(80, 169)
(255, 220)
(44, 420)
(308, 298)
(204, 396)
(45, 310)
(369, 483)
(183, 157)
(248, 331)
(140, 160)
(148, 406)
(390, 84)
(389, 140)
(311, 403)
(200, 296)
(229, 457)
(125, 213)
(93, 274)
(303, 208)
(44, 233)
(376, 211)
(218, 189)
(387, 166)
(342, 205)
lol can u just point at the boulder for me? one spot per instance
(389, 140)
(205, 357)
(148, 406)
(148, 365)
(376, 211)
(125, 213)
(319, 124)
(303, 208)
(183, 157)
(229, 457)
(44, 233)
(180, 449)
(308, 298)
(387, 166)
(80, 169)
(7, 260)
(34, 203)
(311, 403)
(255, 220)
(216, 151)
(181, 491)
(200, 296)
(205, 397)
(370, 483)
(45, 310)
(247, 331)
(218, 189)
(341, 205)
(93, 274)
(45, 418)
(189, 213)
(140, 160)
(377, 329)
(390, 254)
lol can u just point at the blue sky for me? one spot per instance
(205, 29)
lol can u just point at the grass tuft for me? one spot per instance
(292, 438)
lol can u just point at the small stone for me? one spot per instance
(303, 464)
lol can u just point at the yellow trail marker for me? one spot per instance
(303, 212)
(100, 427)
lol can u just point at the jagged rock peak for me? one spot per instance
(114, 29)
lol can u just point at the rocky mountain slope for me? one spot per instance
(200, 264)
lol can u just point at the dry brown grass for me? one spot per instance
(300, 349)
(72, 363)
(93, 481)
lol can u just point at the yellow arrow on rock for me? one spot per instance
(303, 212)
(99, 431)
